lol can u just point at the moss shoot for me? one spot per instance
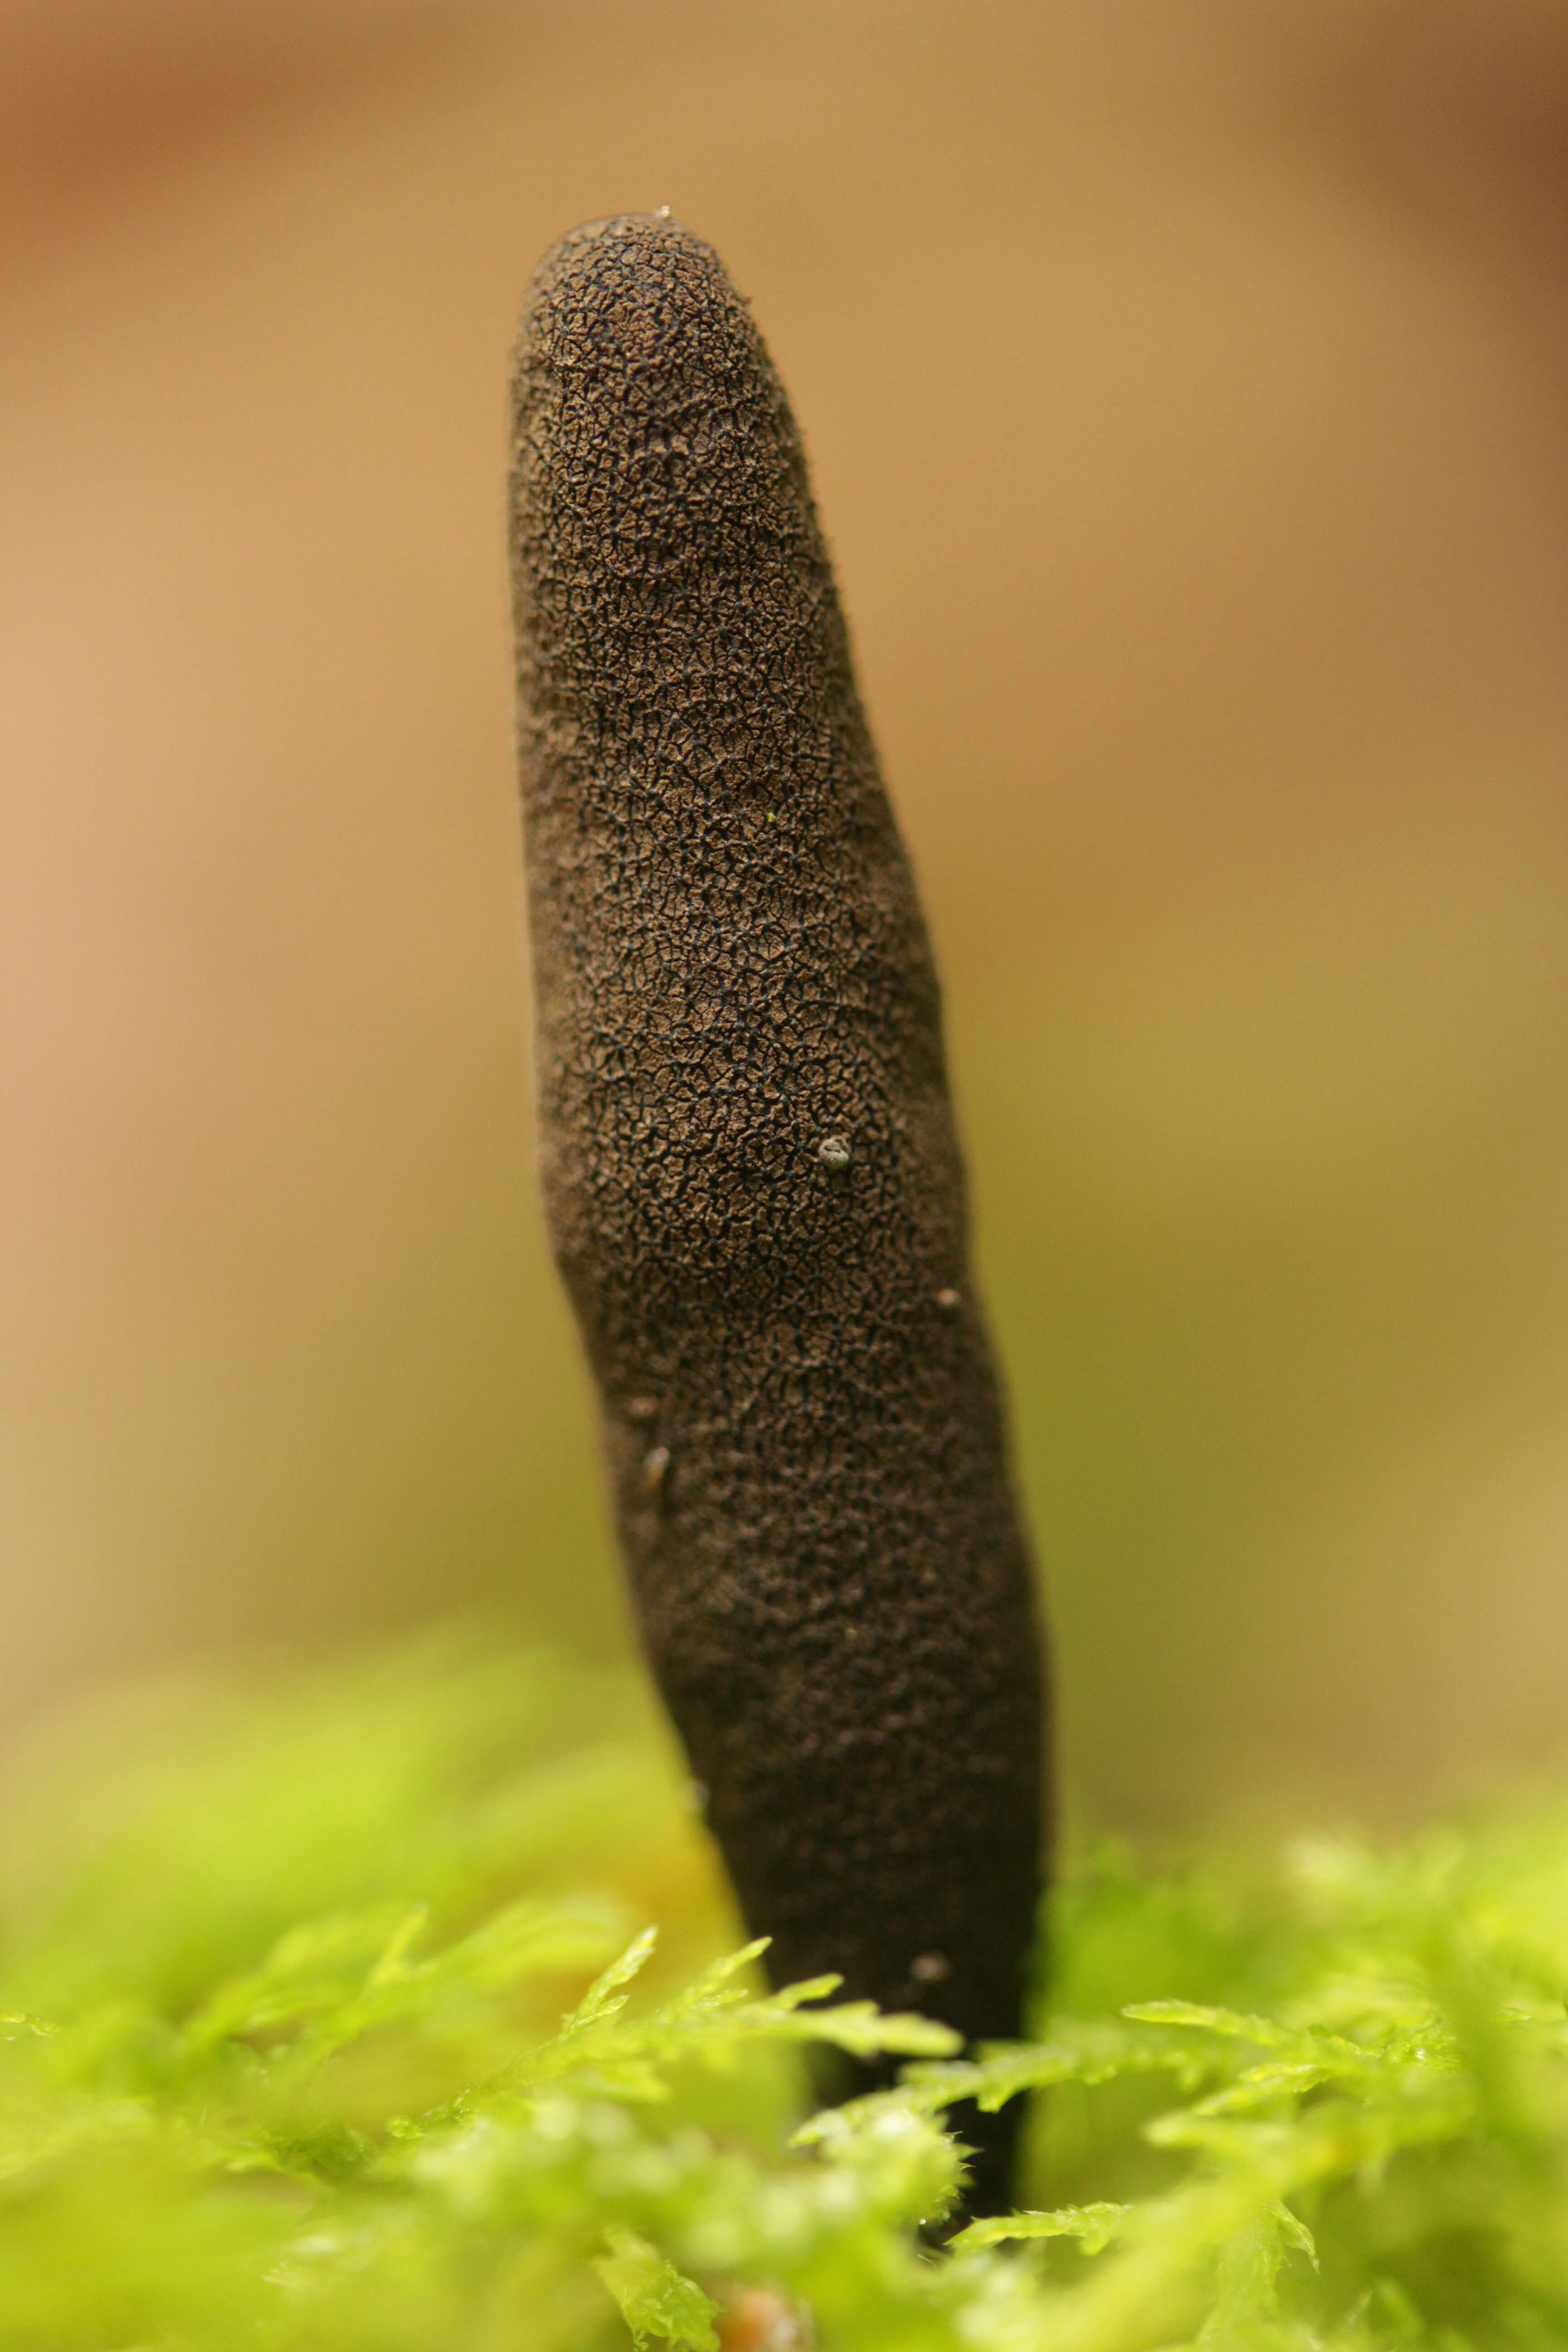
(335, 2018)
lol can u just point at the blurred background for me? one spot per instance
(1186, 388)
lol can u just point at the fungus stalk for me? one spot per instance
(751, 1174)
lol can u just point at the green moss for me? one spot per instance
(334, 2018)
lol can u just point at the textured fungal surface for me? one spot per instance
(750, 1167)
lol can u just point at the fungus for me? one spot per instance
(733, 982)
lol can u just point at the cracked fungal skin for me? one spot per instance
(750, 1167)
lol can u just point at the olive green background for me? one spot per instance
(1187, 393)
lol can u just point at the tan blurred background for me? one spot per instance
(1187, 391)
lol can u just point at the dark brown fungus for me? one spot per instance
(749, 1160)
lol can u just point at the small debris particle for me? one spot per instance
(834, 1151)
(949, 1301)
(654, 1467)
(930, 1968)
(643, 1408)
(759, 2319)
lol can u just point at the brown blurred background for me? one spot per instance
(1187, 391)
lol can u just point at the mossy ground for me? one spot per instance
(285, 1973)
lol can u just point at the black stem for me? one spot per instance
(751, 1170)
